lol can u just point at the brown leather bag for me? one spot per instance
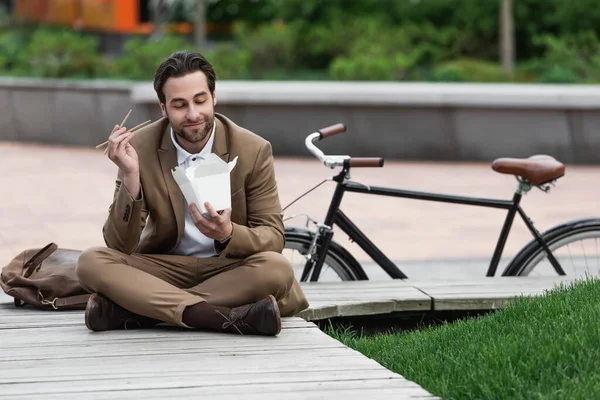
(45, 278)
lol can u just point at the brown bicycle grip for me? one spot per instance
(332, 130)
(365, 162)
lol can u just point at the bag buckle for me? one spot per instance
(48, 302)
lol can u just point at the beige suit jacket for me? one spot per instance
(154, 223)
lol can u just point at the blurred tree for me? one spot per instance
(159, 18)
(507, 36)
(200, 25)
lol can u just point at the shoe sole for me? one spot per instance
(277, 314)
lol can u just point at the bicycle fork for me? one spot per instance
(324, 233)
(320, 242)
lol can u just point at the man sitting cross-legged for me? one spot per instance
(164, 260)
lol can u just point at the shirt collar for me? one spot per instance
(183, 155)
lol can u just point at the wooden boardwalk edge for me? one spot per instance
(359, 298)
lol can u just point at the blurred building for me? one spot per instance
(110, 16)
(113, 20)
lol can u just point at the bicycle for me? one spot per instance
(318, 249)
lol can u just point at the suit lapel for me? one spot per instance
(221, 145)
(167, 156)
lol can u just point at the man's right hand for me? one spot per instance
(122, 153)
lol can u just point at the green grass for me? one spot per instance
(542, 348)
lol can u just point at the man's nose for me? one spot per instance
(193, 114)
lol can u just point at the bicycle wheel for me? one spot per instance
(576, 246)
(339, 264)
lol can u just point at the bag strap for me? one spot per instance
(72, 300)
(38, 258)
(57, 303)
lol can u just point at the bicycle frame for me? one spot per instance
(335, 216)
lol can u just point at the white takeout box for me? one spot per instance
(206, 181)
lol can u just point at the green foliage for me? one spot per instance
(466, 69)
(570, 58)
(374, 65)
(12, 43)
(55, 54)
(255, 53)
(438, 40)
(268, 47)
(230, 61)
(536, 348)
(391, 53)
(141, 56)
(223, 11)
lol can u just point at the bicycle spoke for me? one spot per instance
(571, 257)
(587, 267)
(597, 256)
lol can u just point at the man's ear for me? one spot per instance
(163, 110)
(214, 98)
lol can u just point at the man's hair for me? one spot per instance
(179, 64)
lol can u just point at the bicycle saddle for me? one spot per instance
(537, 169)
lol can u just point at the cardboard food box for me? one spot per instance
(206, 181)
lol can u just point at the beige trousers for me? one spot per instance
(162, 286)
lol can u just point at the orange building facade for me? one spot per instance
(109, 16)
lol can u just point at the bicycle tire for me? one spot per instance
(338, 259)
(561, 235)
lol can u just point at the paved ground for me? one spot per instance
(61, 194)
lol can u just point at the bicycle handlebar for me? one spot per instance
(332, 130)
(364, 162)
(338, 161)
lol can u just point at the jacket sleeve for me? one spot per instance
(265, 230)
(126, 219)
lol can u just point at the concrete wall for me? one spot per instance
(394, 120)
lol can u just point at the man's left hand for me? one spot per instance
(217, 227)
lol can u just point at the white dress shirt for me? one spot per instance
(193, 243)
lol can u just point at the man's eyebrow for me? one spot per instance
(202, 93)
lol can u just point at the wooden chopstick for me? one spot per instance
(139, 126)
(135, 128)
(122, 123)
(125, 119)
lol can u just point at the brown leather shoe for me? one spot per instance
(102, 314)
(260, 318)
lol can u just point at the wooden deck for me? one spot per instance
(48, 355)
(344, 299)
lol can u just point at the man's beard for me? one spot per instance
(195, 135)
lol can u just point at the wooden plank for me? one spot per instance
(138, 348)
(382, 389)
(493, 280)
(492, 301)
(335, 308)
(354, 298)
(46, 336)
(26, 371)
(360, 285)
(380, 294)
(199, 377)
(487, 294)
(129, 350)
(45, 319)
(215, 360)
(496, 283)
